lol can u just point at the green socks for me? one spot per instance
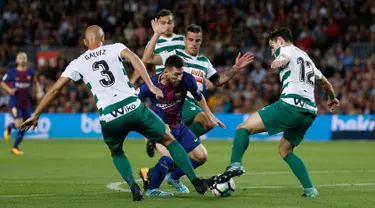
(182, 160)
(299, 169)
(124, 168)
(197, 129)
(240, 144)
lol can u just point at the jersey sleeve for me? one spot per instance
(286, 51)
(144, 92)
(192, 86)
(71, 71)
(165, 56)
(118, 47)
(7, 77)
(210, 70)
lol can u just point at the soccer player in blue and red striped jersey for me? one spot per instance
(175, 84)
(17, 82)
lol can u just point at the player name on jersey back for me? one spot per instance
(95, 54)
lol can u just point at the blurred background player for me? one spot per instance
(197, 65)
(175, 84)
(292, 114)
(18, 82)
(100, 67)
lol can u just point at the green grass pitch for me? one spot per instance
(75, 173)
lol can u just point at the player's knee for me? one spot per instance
(208, 126)
(200, 154)
(167, 139)
(284, 151)
(244, 126)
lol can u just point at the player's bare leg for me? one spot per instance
(297, 166)
(198, 157)
(15, 150)
(252, 125)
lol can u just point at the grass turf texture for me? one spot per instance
(74, 173)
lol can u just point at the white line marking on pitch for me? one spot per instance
(116, 185)
(26, 195)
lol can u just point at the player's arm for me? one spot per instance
(139, 67)
(148, 54)
(50, 95)
(333, 102)
(241, 62)
(9, 90)
(201, 101)
(37, 87)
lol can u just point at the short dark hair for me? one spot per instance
(163, 13)
(193, 28)
(174, 61)
(283, 32)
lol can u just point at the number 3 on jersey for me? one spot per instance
(306, 71)
(108, 79)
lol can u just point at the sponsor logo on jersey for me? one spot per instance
(169, 104)
(123, 110)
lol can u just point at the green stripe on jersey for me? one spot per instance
(179, 53)
(162, 41)
(285, 76)
(89, 85)
(306, 100)
(178, 38)
(203, 58)
(96, 99)
(284, 86)
(169, 48)
(160, 70)
(117, 105)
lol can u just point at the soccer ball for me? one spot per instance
(223, 189)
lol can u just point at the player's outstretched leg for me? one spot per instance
(123, 166)
(198, 156)
(252, 125)
(8, 131)
(180, 157)
(156, 176)
(298, 167)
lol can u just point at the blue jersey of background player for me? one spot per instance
(175, 84)
(17, 82)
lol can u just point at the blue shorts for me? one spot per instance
(185, 137)
(23, 113)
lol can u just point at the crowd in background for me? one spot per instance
(338, 35)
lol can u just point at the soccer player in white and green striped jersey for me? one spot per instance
(292, 114)
(168, 41)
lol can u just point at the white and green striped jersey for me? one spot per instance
(198, 66)
(164, 45)
(103, 72)
(298, 78)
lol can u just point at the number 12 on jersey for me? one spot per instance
(306, 71)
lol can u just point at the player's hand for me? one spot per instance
(157, 27)
(30, 122)
(12, 91)
(332, 104)
(217, 122)
(276, 64)
(243, 61)
(158, 93)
